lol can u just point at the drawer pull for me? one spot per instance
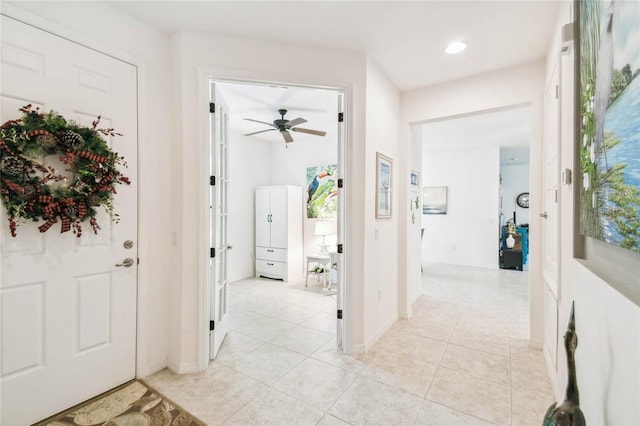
(270, 264)
(270, 251)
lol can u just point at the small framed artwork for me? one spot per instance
(415, 178)
(384, 170)
(434, 200)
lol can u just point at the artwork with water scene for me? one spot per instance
(322, 191)
(610, 121)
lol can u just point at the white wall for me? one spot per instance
(197, 54)
(607, 323)
(382, 237)
(515, 86)
(250, 165)
(290, 168)
(100, 27)
(515, 181)
(254, 162)
(468, 233)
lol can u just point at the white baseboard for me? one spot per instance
(358, 349)
(152, 369)
(183, 367)
(552, 373)
(406, 315)
(535, 343)
(380, 332)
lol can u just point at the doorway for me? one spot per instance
(468, 230)
(246, 152)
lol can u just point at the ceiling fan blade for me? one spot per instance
(260, 131)
(258, 121)
(296, 121)
(287, 136)
(309, 131)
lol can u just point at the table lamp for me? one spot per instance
(324, 229)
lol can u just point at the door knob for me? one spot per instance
(543, 215)
(127, 263)
(229, 247)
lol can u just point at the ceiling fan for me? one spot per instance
(283, 126)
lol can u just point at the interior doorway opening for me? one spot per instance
(273, 135)
(468, 171)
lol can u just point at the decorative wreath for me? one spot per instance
(33, 190)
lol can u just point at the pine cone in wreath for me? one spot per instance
(71, 140)
(11, 165)
(94, 200)
(28, 192)
(47, 141)
(72, 212)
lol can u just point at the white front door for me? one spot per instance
(68, 312)
(219, 217)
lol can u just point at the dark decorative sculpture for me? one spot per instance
(568, 413)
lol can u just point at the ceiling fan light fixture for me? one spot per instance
(456, 47)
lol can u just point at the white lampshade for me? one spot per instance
(325, 228)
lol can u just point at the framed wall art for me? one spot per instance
(434, 200)
(322, 192)
(384, 173)
(609, 139)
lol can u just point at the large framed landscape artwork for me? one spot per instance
(609, 144)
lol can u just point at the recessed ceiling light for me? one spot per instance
(455, 47)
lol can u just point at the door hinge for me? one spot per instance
(212, 325)
(339, 248)
(340, 183)
(212, 252)
(340, 117)
(212, 180)
(557, 91)
(339, 313)
(212, 107)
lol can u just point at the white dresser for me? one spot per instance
(279, 214)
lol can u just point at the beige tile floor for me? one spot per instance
(462, 359)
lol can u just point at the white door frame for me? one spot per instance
(142, 366)
(206, 76)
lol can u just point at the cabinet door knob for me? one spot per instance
(544, 215)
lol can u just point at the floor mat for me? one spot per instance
(133, 404)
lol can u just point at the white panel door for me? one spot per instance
(342, 220)
(68, 313)
(218, 266)
(279, 225)
(263, 217)
(550, 214)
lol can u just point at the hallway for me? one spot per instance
(461, 359)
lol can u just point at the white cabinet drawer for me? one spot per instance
(271, 269)
(268, 253)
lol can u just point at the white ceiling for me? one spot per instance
(509, 128)
(405, 38)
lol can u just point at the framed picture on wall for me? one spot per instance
(384, 170)
(609, 90)
(322, 192)
(415, 178)
(434, 200)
